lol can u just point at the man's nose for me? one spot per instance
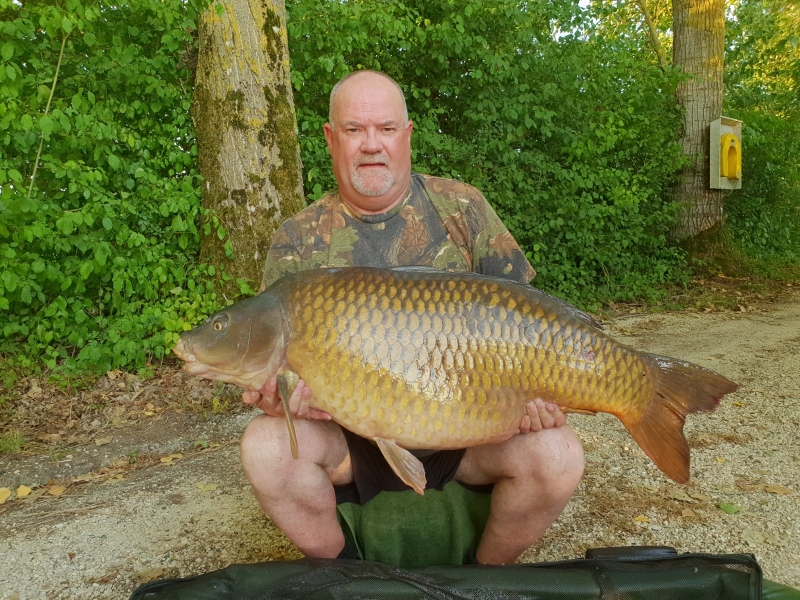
(371, 142)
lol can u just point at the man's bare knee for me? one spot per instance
(265, 449)
(562, 460)
(549, 457)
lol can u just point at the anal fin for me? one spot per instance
(287, 381)
(404, 464)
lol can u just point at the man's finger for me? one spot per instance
(251, 397)
(545, 416)
(525, 424)
(559, 418)
(304, 394)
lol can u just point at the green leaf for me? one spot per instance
(728, 509)
(229, 249)
(66, 25)
(86, 269)
(7, 51)
(113, 161)
(89, 38)
(46, 125)
(101, 255)
(107, 223)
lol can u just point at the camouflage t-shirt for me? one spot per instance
(440, 223)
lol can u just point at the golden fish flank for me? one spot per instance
(417, 358)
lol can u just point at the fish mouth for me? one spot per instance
(190, 364)
(182, 351)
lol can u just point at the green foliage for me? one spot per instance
(763, 86)
(97, 253)
(558, 113)
(572, 136)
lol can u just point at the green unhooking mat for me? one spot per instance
(606, 574)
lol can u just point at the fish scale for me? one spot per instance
(493, 322)
(414, 358)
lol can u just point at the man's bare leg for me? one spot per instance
(535, 475)
(298, 494)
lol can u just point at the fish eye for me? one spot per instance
(220, 322)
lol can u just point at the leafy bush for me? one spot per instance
(762, 85)
(97, 252)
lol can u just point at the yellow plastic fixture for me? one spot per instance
(730, 156)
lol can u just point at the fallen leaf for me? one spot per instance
(168, 459)
(102, 441)
(4, 495)
(720, 460)
(776, 540)
(753, 537)
(687, 512)
(50, 437)
(23, 491)
(112, 375)
(641, 519)
(737, 404)
(728, 509)
(56, 490)
(699, 496)
(679, 494)
(205, 487)
(777, 489)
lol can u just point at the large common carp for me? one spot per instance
(416, 358)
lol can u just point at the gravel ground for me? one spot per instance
(117, 526)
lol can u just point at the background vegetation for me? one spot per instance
(561, 115)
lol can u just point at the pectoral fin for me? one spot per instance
(404, 464)
(287, 381)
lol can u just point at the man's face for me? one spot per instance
(370, 144)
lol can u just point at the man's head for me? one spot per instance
(369, 138)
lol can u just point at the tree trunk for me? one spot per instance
(698, 50)
(244, 118)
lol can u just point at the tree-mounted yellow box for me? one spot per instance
(725, 154)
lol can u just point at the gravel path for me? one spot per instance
(117, 527)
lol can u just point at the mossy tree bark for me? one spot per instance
(698, 50)
(248, 150)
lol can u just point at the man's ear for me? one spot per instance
(327, 129)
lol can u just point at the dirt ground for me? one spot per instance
(136, 480)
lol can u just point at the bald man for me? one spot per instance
(486, 504)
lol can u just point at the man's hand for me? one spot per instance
(541, 415)
(268, 400)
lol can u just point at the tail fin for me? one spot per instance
(681, 388)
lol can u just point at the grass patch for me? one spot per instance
(11, 442)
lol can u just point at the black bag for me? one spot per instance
(636, 573)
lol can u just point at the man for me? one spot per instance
(383, 215)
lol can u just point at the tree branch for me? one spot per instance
(47, 110)
(652, 32)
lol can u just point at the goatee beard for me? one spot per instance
(372, 184)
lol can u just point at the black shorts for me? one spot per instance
(372, 474)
